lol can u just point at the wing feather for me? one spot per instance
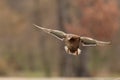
(59, 34)
(86, 41)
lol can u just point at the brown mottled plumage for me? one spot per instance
(72, 41)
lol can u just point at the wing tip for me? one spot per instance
(104, 43)
(37, 26)
(109, 43)
(34, 24)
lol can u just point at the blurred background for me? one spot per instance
(26, 51)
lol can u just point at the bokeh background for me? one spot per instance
(26, 51)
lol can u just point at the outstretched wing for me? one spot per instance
(59, 34)
(86, 41)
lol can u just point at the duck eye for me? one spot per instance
(72, 39)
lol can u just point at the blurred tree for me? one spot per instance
(70, 65)
(99, 20)
(25, 48)
(93, 18)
